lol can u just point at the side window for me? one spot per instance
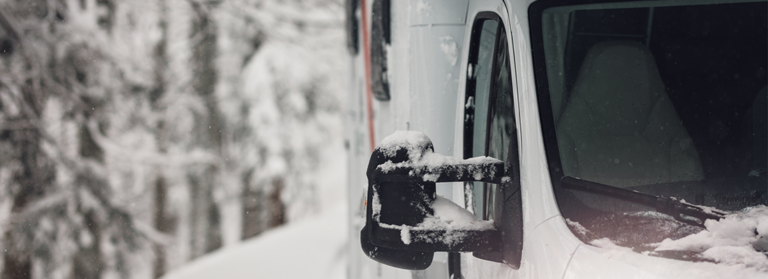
(490, 130)
(502, 114)
(502, 118)
(481, 71)
(479, 75)
(489, 114)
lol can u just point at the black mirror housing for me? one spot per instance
(402, 227)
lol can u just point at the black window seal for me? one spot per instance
(352, 26)
(380, 36)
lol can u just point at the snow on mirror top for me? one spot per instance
(432, 161)
(413, 141)
(420, 154)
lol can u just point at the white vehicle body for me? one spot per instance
(427, 66)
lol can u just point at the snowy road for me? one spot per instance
(311, 248)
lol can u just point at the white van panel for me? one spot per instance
(435, 60)
(538, 195)
(426, 12)
(435, 63)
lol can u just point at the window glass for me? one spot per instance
(482, 76)
(664, 100)
(479, 85)
(502, 118)
(502, 126)
(489, 90)
(654, 95)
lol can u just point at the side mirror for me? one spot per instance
(406, 222)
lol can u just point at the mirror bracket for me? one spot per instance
(402, 174)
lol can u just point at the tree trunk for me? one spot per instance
(16, 268)
(17, 264)
(206, 231)
(162, 222)
(253, 207)
(276, 206)
(88, 262)
(34, 177)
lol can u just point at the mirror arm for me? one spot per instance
(460, 172)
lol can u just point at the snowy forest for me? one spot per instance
(139, 135)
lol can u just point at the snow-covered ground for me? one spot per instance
(311, 248)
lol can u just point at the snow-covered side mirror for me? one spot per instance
(406, 222)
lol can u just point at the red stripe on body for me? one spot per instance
(368, 88)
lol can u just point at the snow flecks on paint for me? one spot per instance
(424, 8)
(450, 48)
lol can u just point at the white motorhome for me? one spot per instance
(608, 134)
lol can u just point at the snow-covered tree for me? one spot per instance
(282, 102)
(138, 135)
(73, 74)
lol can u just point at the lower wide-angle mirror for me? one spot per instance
(406, 222)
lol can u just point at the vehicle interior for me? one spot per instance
(661, 98)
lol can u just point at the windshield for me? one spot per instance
(661, 98)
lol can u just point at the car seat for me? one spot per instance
(619, 127)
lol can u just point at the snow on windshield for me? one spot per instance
(739, 240)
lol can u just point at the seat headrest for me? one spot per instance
(620, 83)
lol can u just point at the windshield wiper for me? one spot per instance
(681, 211)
